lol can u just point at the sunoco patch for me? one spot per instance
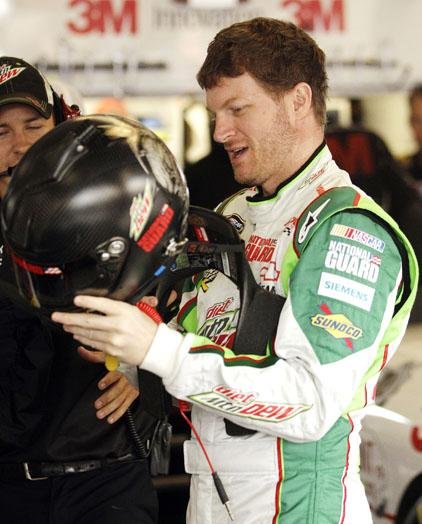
(337, 325)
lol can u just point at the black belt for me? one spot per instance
(44, 470)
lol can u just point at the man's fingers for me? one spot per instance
(88, 320)
(91, 356)
(92, 335)
(113, 408)
(94, 344)
(107, 306)
(151, 300)
(121, 410)
(115, 379)
(110, 407)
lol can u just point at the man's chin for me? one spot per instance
(245, 179)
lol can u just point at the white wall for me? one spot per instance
(387, 114)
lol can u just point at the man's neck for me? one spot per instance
(301, 150)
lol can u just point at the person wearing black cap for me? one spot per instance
(66, 453)
(29, 108)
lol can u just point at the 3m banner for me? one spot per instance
(156, 46)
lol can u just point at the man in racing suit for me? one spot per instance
(349, 277)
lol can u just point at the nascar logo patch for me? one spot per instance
(340, 230)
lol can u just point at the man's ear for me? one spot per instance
(302, 99)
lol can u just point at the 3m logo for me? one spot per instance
(103, 16)
(312, 15)
(338, 326)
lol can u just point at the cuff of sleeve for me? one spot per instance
(165, 351)
(130, 372)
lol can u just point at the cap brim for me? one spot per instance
(13, 99)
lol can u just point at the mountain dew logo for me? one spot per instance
(7, 72)
(337, 325)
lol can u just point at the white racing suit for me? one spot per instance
(343, 270)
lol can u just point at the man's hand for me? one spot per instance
(119, 329)
(118, 396)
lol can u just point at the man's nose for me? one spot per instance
(223, 130)
(22, 142)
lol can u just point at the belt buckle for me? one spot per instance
(28, 475)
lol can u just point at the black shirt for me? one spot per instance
(47, 393)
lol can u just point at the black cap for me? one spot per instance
(21, 83)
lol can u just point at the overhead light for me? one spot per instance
(5, 7)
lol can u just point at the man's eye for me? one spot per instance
(236, 110)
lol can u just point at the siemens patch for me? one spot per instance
(346, 290)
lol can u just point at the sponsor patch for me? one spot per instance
(230, 401)
(311, 178)
(340, 230)
(237, 222)
(290, 226)
(156, 230)
(35, 268)
(269, 273)
(352, 260)
(200, 233)
(53, 271)
(260, 249)
(346, 290)
(218, 325)
(140, 211)
(209, 276)
(7, 72)
(220, 307)
(310, 221)
(338, 325)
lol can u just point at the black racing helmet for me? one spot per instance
(97, 206)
